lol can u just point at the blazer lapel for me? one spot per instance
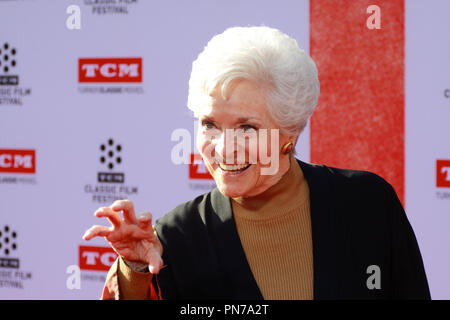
(323, 222)
(230, 251)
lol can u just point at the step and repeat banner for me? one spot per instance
(93, 109)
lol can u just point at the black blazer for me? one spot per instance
(357, 221)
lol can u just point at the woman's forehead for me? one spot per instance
(241, 114)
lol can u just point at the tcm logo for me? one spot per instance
(197, 168)
(111, 156)
(96, 258)
(8, 244)
(443, 173)
(110, 70)
(17, 161)
(8, 62)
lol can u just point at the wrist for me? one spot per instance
(137, 266)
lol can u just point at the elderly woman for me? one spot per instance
(296, 231)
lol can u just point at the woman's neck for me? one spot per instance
(281, 196)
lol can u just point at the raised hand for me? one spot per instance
(133, 239)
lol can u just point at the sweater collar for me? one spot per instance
(278, 199)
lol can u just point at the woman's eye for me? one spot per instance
(248, 127)
(208, 125)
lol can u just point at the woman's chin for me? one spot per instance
(231, 191)
(235, 185)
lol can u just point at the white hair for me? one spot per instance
(269, 58)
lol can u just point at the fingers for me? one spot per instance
(96, 231)
(145, 220)
(126, 206)
(112, 216)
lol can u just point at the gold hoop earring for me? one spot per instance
(287, 148)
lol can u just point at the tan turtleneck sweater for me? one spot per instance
(275, 231)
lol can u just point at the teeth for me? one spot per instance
(236, 167)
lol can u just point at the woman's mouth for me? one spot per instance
(234, 169)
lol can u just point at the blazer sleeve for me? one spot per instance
(111, 287)
(123, 283)
(409, 279)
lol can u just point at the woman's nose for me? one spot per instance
(225, 147)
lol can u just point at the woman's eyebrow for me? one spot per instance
(207, 118)
(246, 119)
(238, 120)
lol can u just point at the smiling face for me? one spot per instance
(245, 112)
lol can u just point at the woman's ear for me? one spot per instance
(289, 146)
(294, 140)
